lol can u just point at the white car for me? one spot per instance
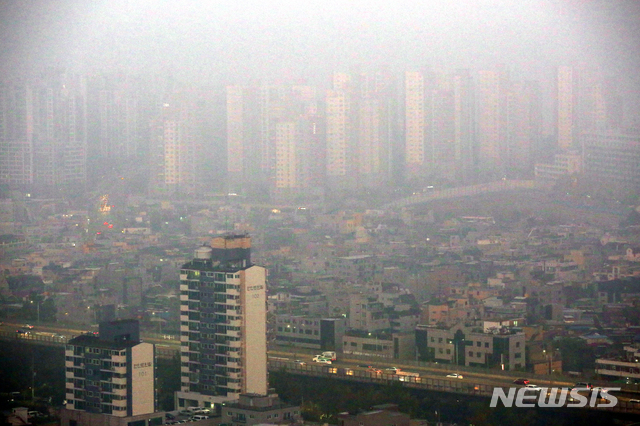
(321, 360)
(454, 376)
(533, 387)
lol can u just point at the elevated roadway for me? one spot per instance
(355, 369)
(464, 191)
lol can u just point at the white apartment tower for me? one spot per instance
(414, 154)
(223, 324)
(565, 123)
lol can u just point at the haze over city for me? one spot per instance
(354, 213)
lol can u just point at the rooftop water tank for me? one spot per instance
(203, 252)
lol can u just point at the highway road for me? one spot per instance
(299, 361)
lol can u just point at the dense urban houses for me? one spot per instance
(222, 324)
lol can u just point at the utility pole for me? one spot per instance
(33, 379)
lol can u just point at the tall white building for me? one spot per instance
(414, 153)
(566, 106)
(223, 324)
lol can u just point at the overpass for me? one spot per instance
(476, 382)
(464, 387)
(465, 191)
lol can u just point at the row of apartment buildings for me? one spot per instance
(294, 139)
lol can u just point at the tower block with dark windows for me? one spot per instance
(110, 378)
(222, 324)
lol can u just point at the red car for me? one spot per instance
(521, 381)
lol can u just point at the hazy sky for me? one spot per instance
(298, 38)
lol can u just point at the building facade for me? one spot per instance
(469, 346)
(110, 375)
(310, 332)
(223, 324)
(253, 409)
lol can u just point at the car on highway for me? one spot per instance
(455, 376)
(533, 387)
(521, 381)
(321, 360)
(373, 369)
(28, 326)
(583, 385)
(299, 362)
(391, 370)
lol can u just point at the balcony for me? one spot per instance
(119, 403)
(234, 386)
(615, 368)
(119, 380)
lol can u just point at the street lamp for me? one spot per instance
(376, 345)
(38, 310)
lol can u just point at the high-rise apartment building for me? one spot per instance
(223, 324)
(565, 107)
(175, 148)
(16, 134)
(292, 139)
(373, 113)
(523, 132)
(440, 126)
(43, 131)
(414, 123)
(339, 131)
(585, 103)
(463, 118)
(612, 158)
(112, 374)
(491, 118)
